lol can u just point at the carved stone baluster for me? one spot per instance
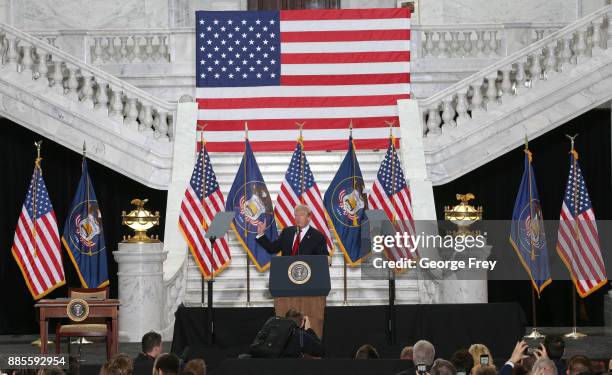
(506, 84)
(462, 108)
(72, 84)
(163, 48)
(148, 50)
(433, 121)
(454, 44)
(110, 49)
(442, 45)
(97, 51)
(596, 37)
(27, 62)
(519, 77)
(448, 114)
(12, 55)
(51, 40)
(589, 41)
(87, 89)
(493, 42)
(116, 104)
(480, 43)
(42, 68)
(132, 114)
(145, 118)
(161, 125)
(428, 45)
(491, 90)
(580, 46)
(565, 54)
(550, 61)
(156, 50)
(123, 51)
(535, 70)
(137, 50)
(539, 35)
(467, 44)
(477, 99)
(101, 96)
(57, 79)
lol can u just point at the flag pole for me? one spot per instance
(345, 271)
(300, 141)
(535, 334)
(248, 270)
(390, 274)
(202, 203)
(38, 145)
(574, 334)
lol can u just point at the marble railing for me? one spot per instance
(476, 40)
(547, 58)
(96, 89)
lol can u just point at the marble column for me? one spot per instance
(467, 285)
(608, 311)
(141, 289)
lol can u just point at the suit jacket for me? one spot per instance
(143, 364)
(313, 242)
(303, 342)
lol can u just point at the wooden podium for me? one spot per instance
(301, 282)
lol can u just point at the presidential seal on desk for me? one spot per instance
(77, 310)
(299, 272)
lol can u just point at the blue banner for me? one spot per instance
(346, 202)
(527, 235)
(83, 235)
(250, 200)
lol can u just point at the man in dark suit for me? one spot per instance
(151, 348)
(299, 239)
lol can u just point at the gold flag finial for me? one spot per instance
(38, 158)
(300, 126)
(390, 123)
(572, 149)
(246, 130)
(527, 148)
(351, 128)
(84, 149)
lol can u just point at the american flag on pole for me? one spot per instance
(36, 246)
(273, 68)
(391, 194)
(202, 201)
(299, 187)
(578, 239)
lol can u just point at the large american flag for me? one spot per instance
(202, 201)
(578, 239)
(299, 187)
(325, 67)
(391, 194)
(36, 246)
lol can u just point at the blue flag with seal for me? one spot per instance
(527, 235)
(83, 235)
(250, 200)
(346, 202)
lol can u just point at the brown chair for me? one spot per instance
(90, 327)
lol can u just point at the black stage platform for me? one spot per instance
(448, 326)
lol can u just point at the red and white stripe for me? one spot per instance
(398, 206)
(578, 246)
(336, 66)
(37, 250)
(194, 220)
(287, 200)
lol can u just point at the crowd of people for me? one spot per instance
(420, 359)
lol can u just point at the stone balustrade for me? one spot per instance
(550, 55)
(51, 67)
(476, 40)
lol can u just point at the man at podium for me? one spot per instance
(299, 239)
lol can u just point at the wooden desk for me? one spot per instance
(56, 308)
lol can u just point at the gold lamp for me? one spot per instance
(463, 215)
(140, 220)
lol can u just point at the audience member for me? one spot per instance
(517, 357)
(485, 370)
(579, 364)
(304, 341)
(166, 364)
(51, 371)
(481, 355)
(120, 364)
(406, 353)
(423, 353)
(555, 347)
(544, 366)
(463, 362)
(151, 348)
(197, 366)
(442, 367)
(366, 351)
